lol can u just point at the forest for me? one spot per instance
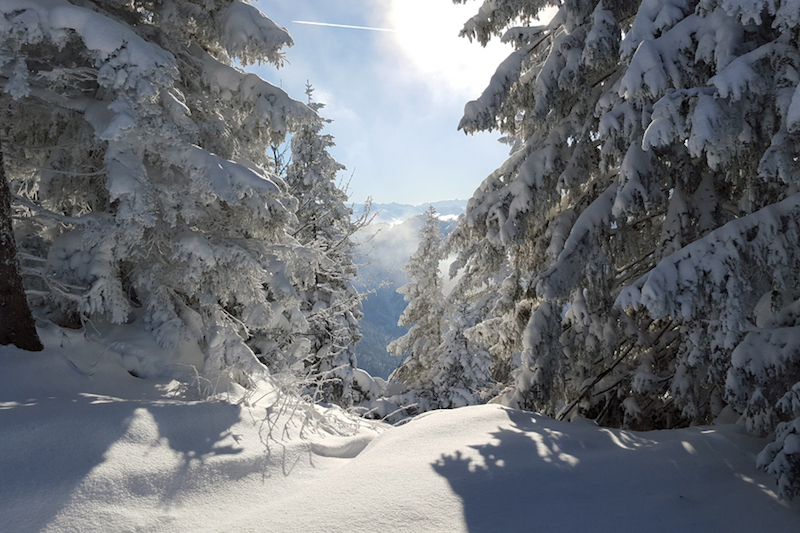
(181, 305)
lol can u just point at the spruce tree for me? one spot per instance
(138, 154)
(324, 227)
(463, 369)
(424, 314)
(645, 223)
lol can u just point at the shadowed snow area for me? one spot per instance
(101, 450)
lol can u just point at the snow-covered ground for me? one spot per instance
(87, 447)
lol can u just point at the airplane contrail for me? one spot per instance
(343, 26)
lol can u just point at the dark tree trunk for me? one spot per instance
(16, 322)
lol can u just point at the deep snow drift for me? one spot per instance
(87, 447)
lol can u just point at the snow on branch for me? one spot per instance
(250, 36)
(751, 11)
(520, 36)
(232, 182)
(270, 104)
(479, 115)
(661, 63)
(739, 77)
(518, 187)
(560, 74)
(708, 125)
(494, 15)
(637, 187)
(653, 18)
(713, 268)
(127, 60)
(765, 353)
(561, 277)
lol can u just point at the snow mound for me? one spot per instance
(342, 447)
(105, 451)
(489, 468)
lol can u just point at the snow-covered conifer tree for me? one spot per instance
(647, 216)
(447, 364)
(329, 301)
(138, 153)
(463, 369)
(424, 314)
(538, 232)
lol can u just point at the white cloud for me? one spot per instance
(335, 109)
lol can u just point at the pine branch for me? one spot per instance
(603, 374)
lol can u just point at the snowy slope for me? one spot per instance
(86, 447)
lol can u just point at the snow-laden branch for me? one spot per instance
(250, 36)
(125, 59)
(713, 267)
(271, 105)
(653, 18)
(662, 63)
(558, 280)
(479, 115)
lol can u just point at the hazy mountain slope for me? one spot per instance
(384, 249)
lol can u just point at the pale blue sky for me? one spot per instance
(395, 97)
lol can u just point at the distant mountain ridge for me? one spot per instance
(395, 213)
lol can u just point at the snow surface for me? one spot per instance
(85, 446)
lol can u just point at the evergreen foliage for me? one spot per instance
(324, 226)
(443, 367)
(137, 154)
(643, 232)
(424, 314)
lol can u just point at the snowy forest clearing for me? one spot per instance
(100, 450)
(176, 230)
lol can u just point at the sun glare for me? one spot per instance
(427, 38)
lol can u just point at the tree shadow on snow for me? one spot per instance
(542, 475)
(51, 444)
(495, 485)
